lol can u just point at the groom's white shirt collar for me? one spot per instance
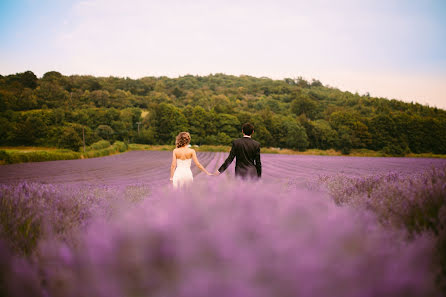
(249, 136)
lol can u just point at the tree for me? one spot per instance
(177, 92)
(29, 130)
(26, 100)
(127, 126)
(316, 83)
(208, 105)
(278, 129)
(262, 135)
(201, 123)
(146, 136)
(52, 94)
(320, 134)
(297, 137)
(167, 121)
(100, 98)
(105, 132)
(28, 79)
(82, 130)
(228, 124)
(223, 139)
(396, 149)
(304, 105)
(53, 76)
(344, 142)
(70, 139)
(221, 104)
(383, 130)
(359, 134)
(35, 129)
(5, 130)
(302, 82)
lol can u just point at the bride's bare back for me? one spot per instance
(185, 153)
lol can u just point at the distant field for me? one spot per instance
(152, 167)
(31, 148)
(316, 152)
(23, 154)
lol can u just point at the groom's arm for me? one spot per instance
(258, 163)
(228, 159)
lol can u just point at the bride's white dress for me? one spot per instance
(182, 175)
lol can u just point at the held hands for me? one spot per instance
(207, 172)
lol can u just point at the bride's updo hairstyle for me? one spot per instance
(183, 139)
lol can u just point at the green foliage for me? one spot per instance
(61, 110)
(105, 131)
(297, 137)
(321, 134)
(223, 139)
(344, 141)
(120, 146)
(103, 148)
(396, 149)
(12, 156)
(304, 105)
(146, 136)
(70, 139)
(228, 124)
(101, 144)
(200, 122)
(167, 121)
(263, 135)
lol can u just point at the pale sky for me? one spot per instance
(389, 48)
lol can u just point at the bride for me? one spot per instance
(180, 173)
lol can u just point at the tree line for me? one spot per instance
(58, 110)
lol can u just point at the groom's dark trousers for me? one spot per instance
(247, 162)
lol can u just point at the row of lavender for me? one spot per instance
(152, 167)
(135, 167)
(413, 202)
(227, 238)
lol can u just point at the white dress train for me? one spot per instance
(182, 175)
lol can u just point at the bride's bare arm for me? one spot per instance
(194, 157)
(174, 165)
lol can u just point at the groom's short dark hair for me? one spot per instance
(247, 128)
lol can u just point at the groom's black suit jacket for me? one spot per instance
(247, 154)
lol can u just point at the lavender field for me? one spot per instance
(152, 168)
(313, 226)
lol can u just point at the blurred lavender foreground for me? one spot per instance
(342, 235)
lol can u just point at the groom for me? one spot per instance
(247, 153)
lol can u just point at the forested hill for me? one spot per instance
(291, 113)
